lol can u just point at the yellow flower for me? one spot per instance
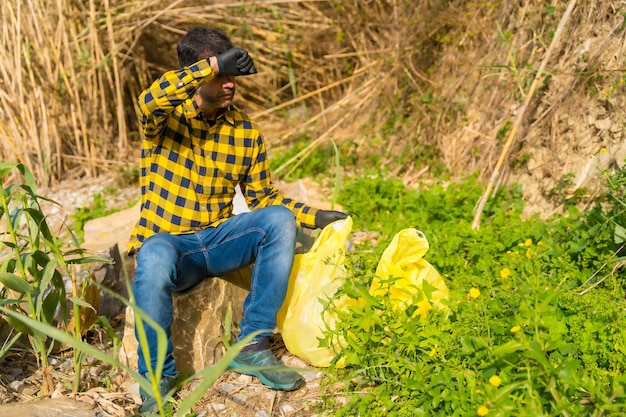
(495, 381)
(603, 150)
(528, 253)
(515, 329)
(505, 273)
(528, 242)
(474, 293)
(432, 352)
(482, 411)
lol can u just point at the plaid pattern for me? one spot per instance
(189, 169)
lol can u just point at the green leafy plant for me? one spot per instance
(33, 265)
(533, 328)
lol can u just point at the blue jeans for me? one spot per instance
(166, 263)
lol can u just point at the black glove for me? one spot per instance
(325, 217)
(235, 61)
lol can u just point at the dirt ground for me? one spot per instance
(113, 393)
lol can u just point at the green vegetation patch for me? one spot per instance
(536, 308)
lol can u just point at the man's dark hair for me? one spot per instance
(201, 43)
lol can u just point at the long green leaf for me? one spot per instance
(40, 224)
(41, 296)
(49, 305)
(507, 348)
(5, 168)
(81, 302)
(88, 260)
(19, 326)
(15, 282)
(29, 178)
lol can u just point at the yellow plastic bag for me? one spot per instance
(403, 261)
(316, 275)
(402, 273)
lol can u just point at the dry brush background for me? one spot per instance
(422, 87)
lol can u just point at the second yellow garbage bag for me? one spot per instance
(405, 275)
(316, 275)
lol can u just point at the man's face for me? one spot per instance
(215, 95)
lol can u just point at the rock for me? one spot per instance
(240, 398)
(198, 313)
(307, 191)
(113, 276)
(603, 124)
(595, 165)
(216, 407)
(104, 232)
(199, 316)
(228, 388)
(55, 407)
(197, 329)
(107, 237)
(17, 386)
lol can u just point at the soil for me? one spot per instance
(113, 392)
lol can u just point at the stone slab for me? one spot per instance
(51, 407)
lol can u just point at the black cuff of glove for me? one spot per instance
(325, 217)
(220, 64)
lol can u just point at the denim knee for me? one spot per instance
(281, 220)
(157, 262)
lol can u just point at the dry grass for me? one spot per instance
(559, 132)
(426, 85)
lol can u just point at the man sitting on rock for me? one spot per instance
(197, 147)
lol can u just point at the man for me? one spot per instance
(197, 147)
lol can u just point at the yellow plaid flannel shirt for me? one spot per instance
(189, 169)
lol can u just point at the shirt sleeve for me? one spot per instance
(168, 92)
(260, 192)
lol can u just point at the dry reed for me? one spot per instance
(412, 82)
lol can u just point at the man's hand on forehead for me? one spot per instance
(235, 62)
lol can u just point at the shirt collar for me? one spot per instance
(192, 111)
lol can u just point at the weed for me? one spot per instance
(129, 175)
(98, 208)
(564, 192)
